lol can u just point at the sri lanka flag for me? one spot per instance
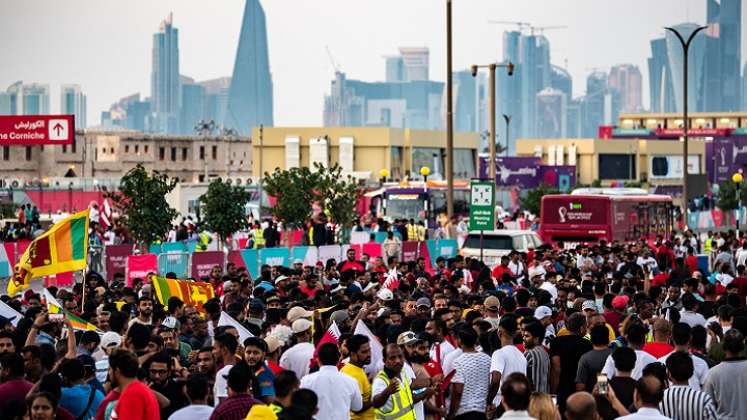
(63, 248)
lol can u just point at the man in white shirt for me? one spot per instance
(505, 361)
(636, 336)
(197, 391)
(689, 314)
(298, 357)
(649, 392)
(681, 334)
(224, 351)
(109, 236)
(338, 393)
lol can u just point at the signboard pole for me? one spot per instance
(482, 208)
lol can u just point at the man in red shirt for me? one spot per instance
(691, 261)
(660, 347)
(501, 268)
(137, 400)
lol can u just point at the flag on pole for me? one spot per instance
(391, 281)
(55, 307)
(228, 321)
(332, 335)
(105, 216)
(194, 293)
(377, 358)
(63, 248)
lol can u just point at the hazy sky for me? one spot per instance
(105, 45)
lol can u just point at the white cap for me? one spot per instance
(537, 271)
(542, 312)
(110, 339)
(385, 294)
(169, 322)
(300, 325)
(297, 312)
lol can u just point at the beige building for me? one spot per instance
(106, 155)
(364, 151)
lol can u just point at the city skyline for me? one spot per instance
(301, 74)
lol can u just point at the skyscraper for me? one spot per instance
(35, 99)
(593, 104)
(415, 62)
(73, 101)
(250, 98)
(192, 109)
(626, 79)
(660, 78)
(551, 113)
(675, 56)
(395, 69)
(164, 81)
(722, 78)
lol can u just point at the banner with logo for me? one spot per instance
(140, 266)
(274, 256)
(307, 254)
(447, 248)
(246, 258)
(409, 251)
(174, 262)
(203, 263)
(116, 259)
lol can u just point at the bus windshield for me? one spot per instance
(493, 242)
(405, 209)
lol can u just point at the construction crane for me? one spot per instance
(520, 25)
(332, 60)
(542, 29)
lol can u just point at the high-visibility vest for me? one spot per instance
(708, 245)
(402, 407)
(204, 240)
(259, 238)
(421, 233)
(412, 232)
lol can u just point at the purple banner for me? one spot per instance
(528, 172)
(203, 263)
(723, 158)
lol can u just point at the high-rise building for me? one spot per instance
(470, 101)
(164, 84)
(660, 78)
(73, 101)
(675, 61)
(415, 62)
(395, 69)
(250, 100)
(593, 103)
(561, 80)
(626, 79)
(534, 71)
(15, 98)
(551, 114)
(723, 47)
(216, 98)
(192, 109)
(129, 112)
(35, 99)
(4, 103)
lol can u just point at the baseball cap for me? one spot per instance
(423, 301)
(272, 343)
(300, 325)
(280, 278)
(491, 302)
(169, 322)
(297, 312)
(407, 337)
(620, 302)
(297, 261)
(385, 294)
(542, 312)
(339, 316)
(110, 339)
(589, 305)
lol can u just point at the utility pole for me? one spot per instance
(259, 189)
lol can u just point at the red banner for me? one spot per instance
(409, 251)
(203, 263)
(373, 249)
(116, 260)
(59, 280)
(24, 130)
(139, 266)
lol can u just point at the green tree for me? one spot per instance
(531, 202)
(295, 192)
(338, 195)
(727, 195)
(141, 201)
(223, 206)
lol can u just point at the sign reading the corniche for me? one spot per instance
(482, 206)
(24, 130)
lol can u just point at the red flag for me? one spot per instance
(105, 216)
(391, 281)
(332, 335)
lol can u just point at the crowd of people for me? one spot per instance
(609, 330)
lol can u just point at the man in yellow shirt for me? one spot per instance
(360, 355)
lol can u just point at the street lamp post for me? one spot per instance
(491, 134)
(449, 119)
(507, 118)
(383, 175)
(686, 50)
(425, 171)
(737, 179)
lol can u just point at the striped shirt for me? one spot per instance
(682, 402)
(538, 368)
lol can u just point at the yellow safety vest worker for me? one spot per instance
(259, 238)
(421, 233)
(203, 243)
(402, 408)
(412, 232)
(708, 245)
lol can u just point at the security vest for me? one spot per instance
(259, 238)
(708, 246)
(412, 232)
(402, 405)
(204, 240)
(421, 233)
